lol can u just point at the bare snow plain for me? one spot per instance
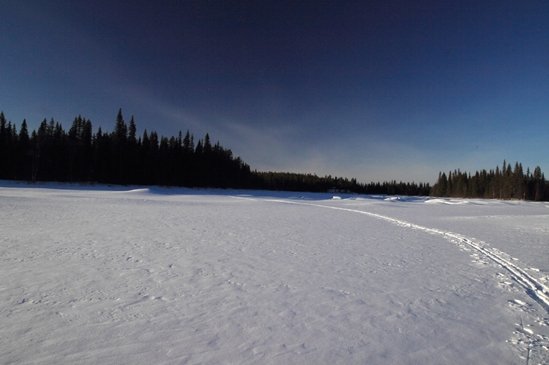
(103, 275)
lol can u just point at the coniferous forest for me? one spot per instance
(507, 182)
(51, 153)
(120, 157)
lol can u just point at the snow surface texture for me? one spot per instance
(173, 276)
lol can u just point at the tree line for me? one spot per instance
(51, 153)
(121, 157)
(314, 183)
(507, 182)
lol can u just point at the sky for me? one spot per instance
(376, 90)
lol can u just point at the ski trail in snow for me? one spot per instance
(534, 288)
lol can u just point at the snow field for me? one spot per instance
(172, 276)
(534, 287)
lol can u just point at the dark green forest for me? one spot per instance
(51, 153)
(507, 182)
(81, 155)
(121, 157)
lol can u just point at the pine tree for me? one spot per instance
(3, 123)
(207, 144)
(539, 184)
(120, 128)
(132, 130)
(188, 145)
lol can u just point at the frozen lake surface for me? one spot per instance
(103, 275)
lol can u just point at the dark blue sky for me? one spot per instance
(373, 89)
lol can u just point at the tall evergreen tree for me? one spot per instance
(539, 184)
(132, 131)
(120, 128)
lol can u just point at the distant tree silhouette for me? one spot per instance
(121, 157)
(504, 183)
(52, 154)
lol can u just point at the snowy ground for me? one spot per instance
(174, 276)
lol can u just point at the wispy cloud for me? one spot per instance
(264, 147)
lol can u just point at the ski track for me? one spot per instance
(534, 288)
(525, 341)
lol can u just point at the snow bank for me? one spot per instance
(447, 201)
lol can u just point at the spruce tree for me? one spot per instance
(132, 130)
(120, 128)
(539, 184)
